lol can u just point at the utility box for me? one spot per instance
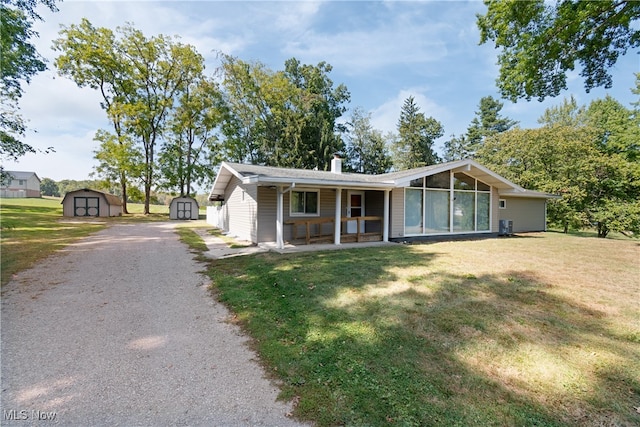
(505, 227)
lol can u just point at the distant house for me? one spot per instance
(461, 198)
(184, 208)
(21, 184)
(87, 202)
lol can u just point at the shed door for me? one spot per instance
(184, 210)
(86, 206)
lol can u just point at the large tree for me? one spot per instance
(416, 135)
(282, 118)
(367, 150)
(487, 122)
(90, 57)
(19, 62)
(140, 80)
(191, 143)
(541, 41)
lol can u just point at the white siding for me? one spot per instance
(241, 201)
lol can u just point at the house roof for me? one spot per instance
(22, 175)
(111, 199)
(268, 175)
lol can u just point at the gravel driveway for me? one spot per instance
(119, 329)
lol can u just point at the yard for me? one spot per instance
(534, 330)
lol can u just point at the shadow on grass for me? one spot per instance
(361, 344)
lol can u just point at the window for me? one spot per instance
(448, 203)
(305, 203)
(502, 204)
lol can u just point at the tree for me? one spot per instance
(48, 187)
(285, 118)
(191, 144)
(416, 136)
(91, 58)
(19, 62)
(366, 147)
(140, 78)
(541, 42)
(487, 122)
(589, 158)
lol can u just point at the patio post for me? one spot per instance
(338, 220)
(279, 218)
(385, 218)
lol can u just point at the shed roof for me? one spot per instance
(111, 198)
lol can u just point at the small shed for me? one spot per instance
(184, 208)
(87, 202)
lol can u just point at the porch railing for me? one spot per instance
(315, 230)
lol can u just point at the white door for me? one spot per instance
(355, 208)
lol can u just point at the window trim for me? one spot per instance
(502, 203)
(303, 214)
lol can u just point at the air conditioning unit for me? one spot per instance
(505, 227)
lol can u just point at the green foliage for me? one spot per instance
(416, 136)
(48, 187)
(486, 123)
(284, 118)
(140, 79)
(366, 147)
(541, 42)
(587, 155)
(19, 62)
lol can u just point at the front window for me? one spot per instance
(305, 202)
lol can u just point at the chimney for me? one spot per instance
(336, 164)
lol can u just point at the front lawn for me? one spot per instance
(536, 330)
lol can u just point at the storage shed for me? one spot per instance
(87, 202)
(184, 208)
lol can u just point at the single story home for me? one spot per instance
(87, 202)
(270, 204)
(20, 184)
(184, 208)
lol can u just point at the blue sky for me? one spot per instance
(383, 51)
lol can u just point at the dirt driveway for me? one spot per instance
(119, 329)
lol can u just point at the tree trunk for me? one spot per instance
(123, 187)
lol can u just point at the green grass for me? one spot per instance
(531, 331)
(33, 229)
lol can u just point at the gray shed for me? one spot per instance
(87, 202)
(184, 208)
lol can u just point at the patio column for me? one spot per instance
(338, 218)
(279, 218)
(385, 217)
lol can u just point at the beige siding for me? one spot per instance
(397, 213)
(526, 214)
(68, 203)
(495, 215)
(267, 213)
(241, 200)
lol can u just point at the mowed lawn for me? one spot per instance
(537, 330)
